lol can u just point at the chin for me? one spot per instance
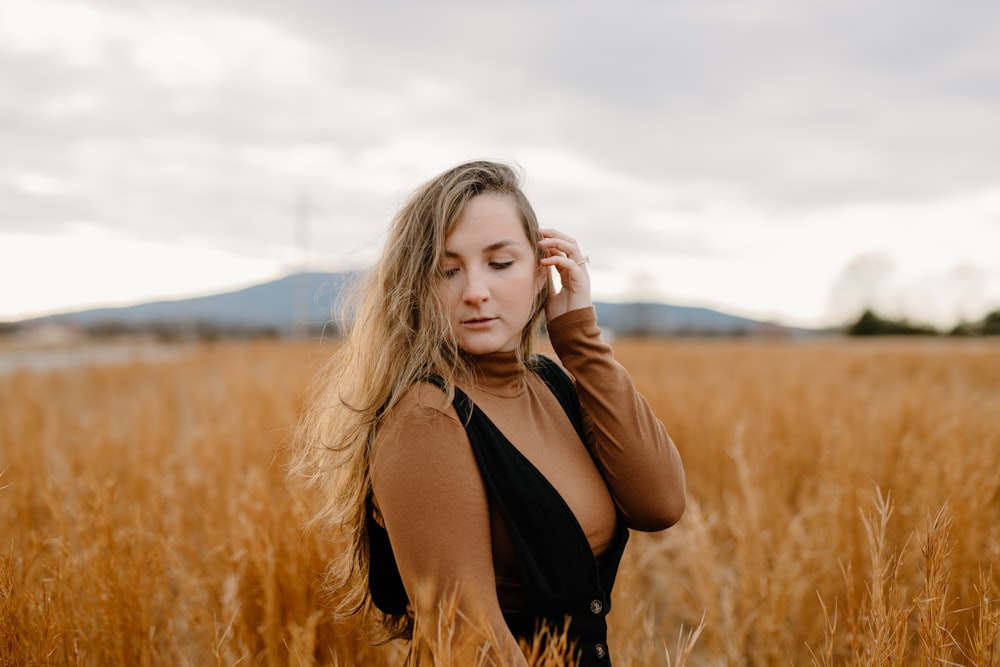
(479, 349)
(476, 347)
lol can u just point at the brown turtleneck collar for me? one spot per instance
(496, 373)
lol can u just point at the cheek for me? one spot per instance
(531, 286)
(447, 295)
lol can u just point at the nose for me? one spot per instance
(475, 289)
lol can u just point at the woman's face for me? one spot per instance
(490, 275)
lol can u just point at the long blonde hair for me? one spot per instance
(397, 334)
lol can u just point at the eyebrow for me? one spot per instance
(499, 245)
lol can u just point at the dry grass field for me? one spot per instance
(844, 509)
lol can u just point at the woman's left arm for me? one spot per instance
(640, 462)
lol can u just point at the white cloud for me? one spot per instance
(738, 153)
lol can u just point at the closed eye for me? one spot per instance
(500, 266)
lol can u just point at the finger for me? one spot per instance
(552, 234)
(565, 264)
(566, 246)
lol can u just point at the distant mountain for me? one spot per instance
(665, 319)
(307, 298)
(278, 304)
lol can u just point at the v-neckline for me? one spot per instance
(581, 537)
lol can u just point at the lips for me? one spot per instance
(478, 322)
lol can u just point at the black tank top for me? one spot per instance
(561, 578)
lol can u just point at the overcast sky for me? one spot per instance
(789, 160)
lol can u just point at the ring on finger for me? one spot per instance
(585, 260)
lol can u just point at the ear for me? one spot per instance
(543, 279)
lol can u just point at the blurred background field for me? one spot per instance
(844, 508)
(178, 203)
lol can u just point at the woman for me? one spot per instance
(461, 467)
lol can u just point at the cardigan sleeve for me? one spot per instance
(637, 457)
(431, 497)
